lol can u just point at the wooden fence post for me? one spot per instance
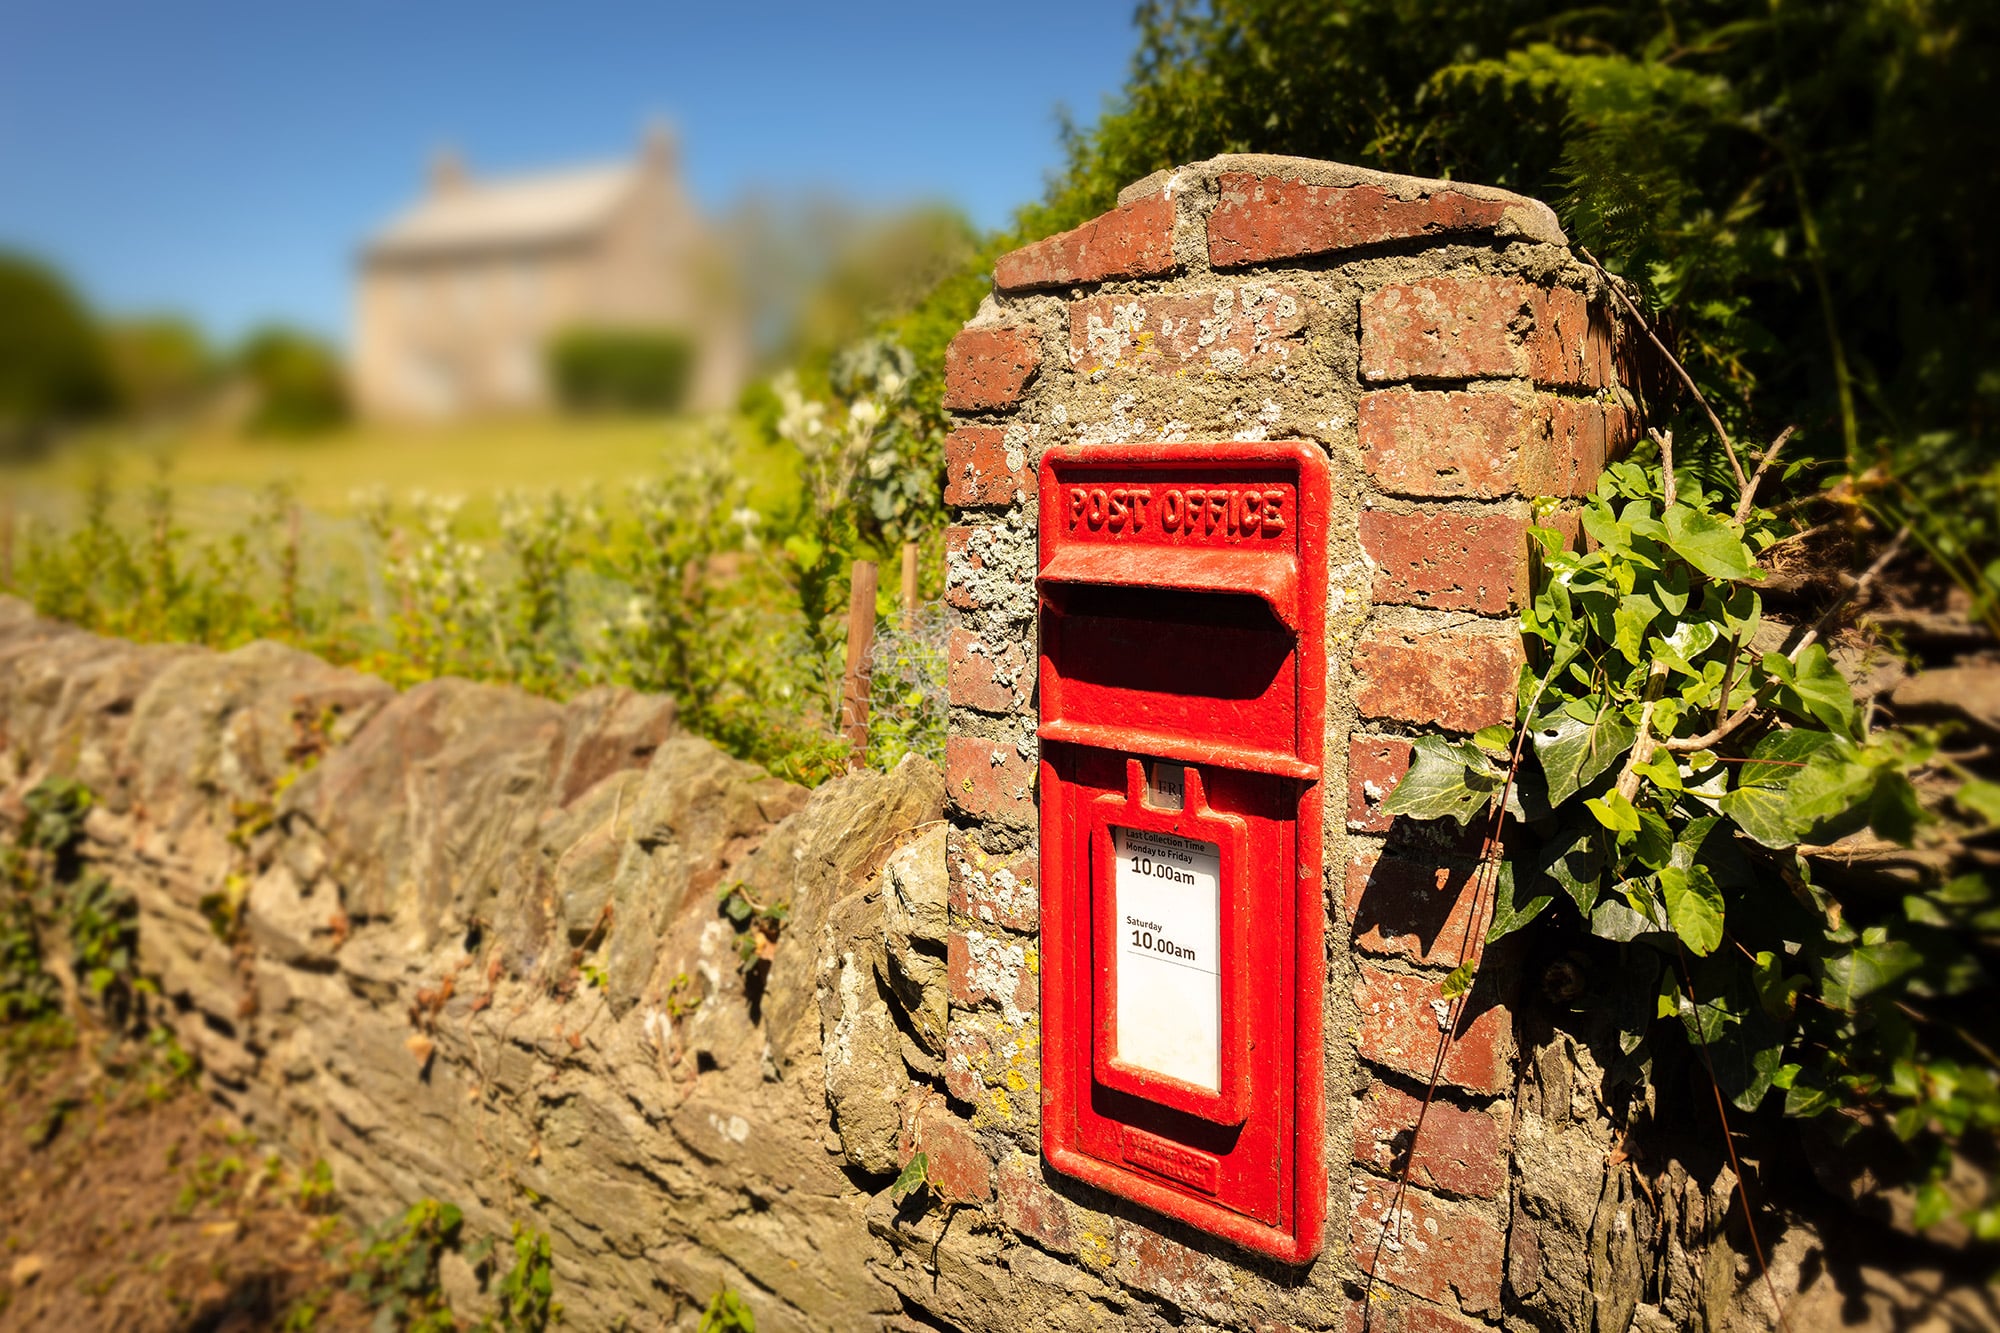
(909, 586)
(860, 639)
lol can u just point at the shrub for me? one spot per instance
(621, 370)
(53, 368)
(297, 381)
(161, 363)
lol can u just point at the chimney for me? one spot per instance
(659, 149)
(448, 173)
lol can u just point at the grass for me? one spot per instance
(218, 474)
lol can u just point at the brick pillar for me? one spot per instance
(1453, 360)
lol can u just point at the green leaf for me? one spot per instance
(914, 1177)
(1617, 919)
(1446, 780)
(1846, 979)
(1573, 751)
(1614, 812)
(1694, 906)
(1629, 623)
(1777, 759)
(1980, 800)
(1764, 813)
(1459, 982)
(1655, 844)
(1497, 739)
(1822, 693)
(1575, 860)
(1507, 916)
(1706, 542)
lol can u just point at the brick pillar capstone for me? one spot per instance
(1456, 363)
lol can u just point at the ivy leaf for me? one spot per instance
(1808, 1097)
(1707, 543)
(1655, 844)
(1614, 812)
(1846, 979)
(1980, 800)
(1694, 906)
(1747, 1059)
(1459, 982)
(1821, 692)
(1507, 916)
(914, 1177)
(1629, 623)
(1446, 780)
(1671, 592)
(1618, 919)
(1765, 813)
(1776, 760)
(1574, 752)
(1575, 861)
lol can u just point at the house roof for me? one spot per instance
(517, 210)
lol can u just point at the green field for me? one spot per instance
(218, 475)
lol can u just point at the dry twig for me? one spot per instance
(1742, 482)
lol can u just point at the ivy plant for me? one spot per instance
(1674, 763)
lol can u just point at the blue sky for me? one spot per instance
(223, 159)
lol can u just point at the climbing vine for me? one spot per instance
(1677, 769)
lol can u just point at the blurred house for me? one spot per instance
(457, 298)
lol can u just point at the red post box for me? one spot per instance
(1183, 705)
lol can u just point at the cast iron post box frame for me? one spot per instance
(1183, 618)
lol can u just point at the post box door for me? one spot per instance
(1182, 705)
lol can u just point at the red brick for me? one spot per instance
(1457, 678)
(1448, 561)
(986, 679)
(1445, 328)
(1389, 1313)
(989, 781)
(989, 368)
(1375, 764)
(1134, 241)
(1570, 345)
(1253, 326)
(1399, 1030)
(1482, 445)
(1621, 431)
(1262, 218)
(968, 1054)
(959, 561)
(1450, 1253)
(985, 968)
(1193, 1281)
(1459, 1151)
(1031, 1208)
(1412, 909)
(994, 890)
(958, 1166)
(980, 469)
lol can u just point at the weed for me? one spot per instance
(727, 1312)
(316, 1191)
(526, 1291)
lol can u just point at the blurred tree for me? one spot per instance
(1800, 190)
(621, 370)
(162, 364)
(53, 368)
(296, 380)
